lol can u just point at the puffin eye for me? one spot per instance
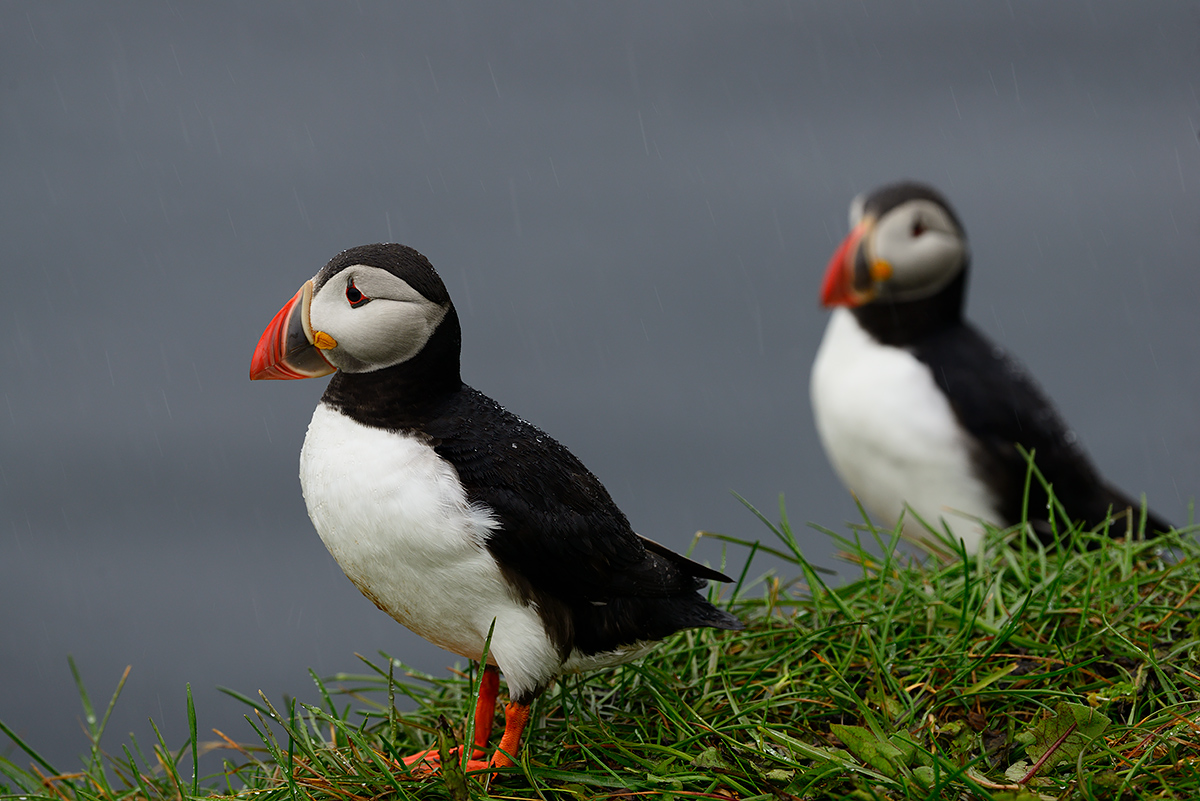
(918, 227)
(355, 297)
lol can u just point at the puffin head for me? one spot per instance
(905, 244)
(371, 307)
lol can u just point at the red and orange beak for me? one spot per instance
(289, 348)
(853, 275)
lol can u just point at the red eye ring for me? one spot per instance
(918, 228)
(355, 297)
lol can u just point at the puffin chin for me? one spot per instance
(288, 347)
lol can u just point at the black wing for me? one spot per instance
(559, 528)
(998, 402)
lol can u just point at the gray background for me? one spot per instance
(632, 205)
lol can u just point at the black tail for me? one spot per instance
(683, 563)
(625, 621)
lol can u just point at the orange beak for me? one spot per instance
(852, 277)
(286, 350)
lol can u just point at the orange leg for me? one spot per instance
(485, 716)
(485, 707)
(516, 716)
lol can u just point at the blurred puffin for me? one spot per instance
(448, 512)
(915, 407)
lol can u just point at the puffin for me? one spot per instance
(920, 414)
(454, 516)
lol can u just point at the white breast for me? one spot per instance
(397, 520)
(891, 434)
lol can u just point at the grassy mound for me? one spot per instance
(1016, 673)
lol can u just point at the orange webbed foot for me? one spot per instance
(429, 761)
(424, 763)
(516, 718)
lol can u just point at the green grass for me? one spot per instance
(1017, 673)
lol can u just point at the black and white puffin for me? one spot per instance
(449, 512)
(915, 407)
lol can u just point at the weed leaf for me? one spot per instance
(875, 753)
(1061, 736)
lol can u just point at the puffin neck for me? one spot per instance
(401, 396)
(908, 322)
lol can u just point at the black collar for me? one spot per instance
(905, 323)
(406, 395)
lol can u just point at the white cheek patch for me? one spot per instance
(390, 328)
(921, 265)
(398, 330)
(383, 333)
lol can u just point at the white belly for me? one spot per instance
(395, 517)
(892, 437)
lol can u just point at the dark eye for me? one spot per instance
(918, 227)
(355, 297)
